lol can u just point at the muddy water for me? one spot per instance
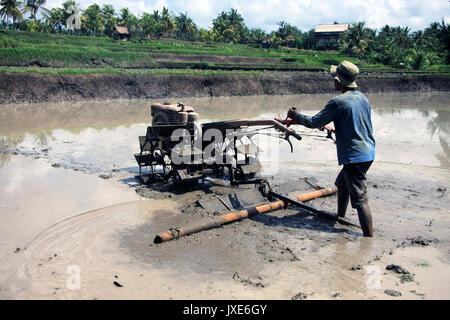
(65, 215)
(101, 136)
(35, 196)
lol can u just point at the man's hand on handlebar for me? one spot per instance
(292, 112)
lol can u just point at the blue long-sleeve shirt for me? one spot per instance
(350, 113)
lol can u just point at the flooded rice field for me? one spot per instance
(73, 226)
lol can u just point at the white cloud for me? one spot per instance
(305, 14)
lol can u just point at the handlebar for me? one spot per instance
(295, 135)
(234, 124)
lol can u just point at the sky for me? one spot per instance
(304, 14)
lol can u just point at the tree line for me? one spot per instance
(395, 46)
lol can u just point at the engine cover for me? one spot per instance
(172, 113)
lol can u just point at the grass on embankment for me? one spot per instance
(73, 54)
(77, 71)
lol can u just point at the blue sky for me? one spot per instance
(304, 14)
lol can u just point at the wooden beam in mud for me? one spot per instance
(175, 233)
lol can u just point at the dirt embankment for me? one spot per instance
(24, 88)
(213, 59)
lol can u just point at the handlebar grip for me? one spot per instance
(295, 135)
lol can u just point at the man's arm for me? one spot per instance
(324, 117)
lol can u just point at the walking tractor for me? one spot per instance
(180, 149)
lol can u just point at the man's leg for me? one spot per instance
(355, 175)
(365, 219)
(343, 195)
(343, 198)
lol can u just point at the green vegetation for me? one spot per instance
(79, 71)
(55, 56)
(33, 36)
(25, 49)
(398, 47)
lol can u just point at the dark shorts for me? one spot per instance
(352, 179)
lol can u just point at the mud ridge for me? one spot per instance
(34, 87)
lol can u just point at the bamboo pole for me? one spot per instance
(175, 233)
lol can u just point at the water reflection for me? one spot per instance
(444, 157)
(439, 124)
(4, 158)
(99, 135)
(72, 116)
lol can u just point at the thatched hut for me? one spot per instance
(121, 32)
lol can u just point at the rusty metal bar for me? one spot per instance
(175, 233)
(309, 208)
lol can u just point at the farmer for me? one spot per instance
(355, 144)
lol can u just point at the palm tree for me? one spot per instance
(147, 25)
(10, 9)
(167, 22)
(159, 26)
(33, 6)
(109, 18)
(234, 17)
(186, 27)
(229, 26)
(108, 11)
(356, 34)
(65, 12)
(93, 18)
(401, 35)
(358, 38)
(55, 19)
(124, 16)
(258, 35)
